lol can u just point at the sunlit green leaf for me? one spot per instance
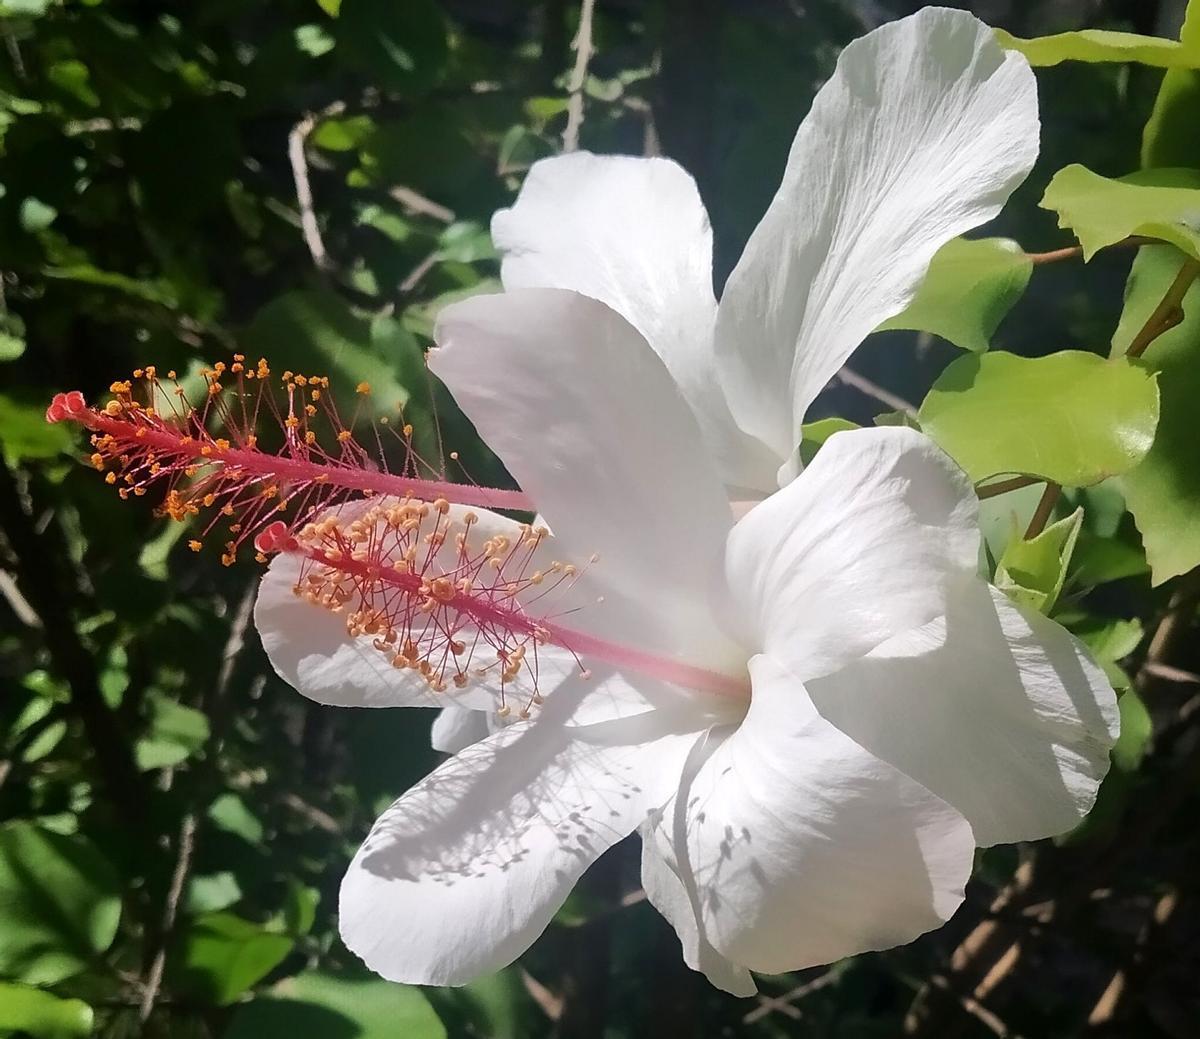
(1071, 417)
(1163, 492)
(970, 286)
(1159, 203)
(1170, 137)
(229, 813)
(343, 134)
(25, 433)
(1111, 641)
(36, 215)
(59, 904)
(1100, 45)
(814, 434)
(30, 1011)
(318, 1003)
(1032, 571)
(211, 892)
(175, 733)
(1136, 728)
(224, 955)
(316, 332)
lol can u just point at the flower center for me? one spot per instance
(436, 597)
(164, 441)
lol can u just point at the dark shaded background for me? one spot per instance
(149, 214)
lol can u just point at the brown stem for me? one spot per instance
(1072, 252)
(1169, 311)
(1044, 510)
(993, 490)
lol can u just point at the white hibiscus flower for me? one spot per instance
(813, 714)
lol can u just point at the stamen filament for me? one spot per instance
(302, 471)
(501, 616)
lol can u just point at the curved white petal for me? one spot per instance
(589, 421)
(803, 847)
(671, 887)
(922, 133)
(633, 233)
(310, 649)
(996, 709)
(456, 728)
(462, 873)
(866, 543)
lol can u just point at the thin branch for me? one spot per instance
(186, 845)
(771, 1004)
(582, 45)
(1169, 311)
(309, 226)
(415, 202)
(871, 389)
(989, 1019)
(26, 614)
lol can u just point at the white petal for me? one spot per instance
(996, 709)
(588, 420)
(633, 233)
(803, 847)
(925, 129)
(463, 872)
(671, 888)
(309, 648)
(868, 542)
(456, 728)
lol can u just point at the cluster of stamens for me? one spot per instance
(208, 456)
(431, 595)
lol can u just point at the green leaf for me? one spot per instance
(400, 46)
(11, 346)
(465, 241)
(24, 8)
(300, 909)
(1170, 138)
(42, 1015)
(1032, 571)
(316, 332)
(814, 434)
(520, 148)
(1111, 641)
(343, 135)
(59, 904)
(318, 1003)
(1100, 45)
(1071, 417)
(970, 286)
(25, 433)
(175, 733)
(36, 215)
(1163, 492)
(1160, 203)
(224, 955)
(1136, 729)
(211, 892)
(313, 40)
(229, 813)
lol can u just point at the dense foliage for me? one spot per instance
(310, 180)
